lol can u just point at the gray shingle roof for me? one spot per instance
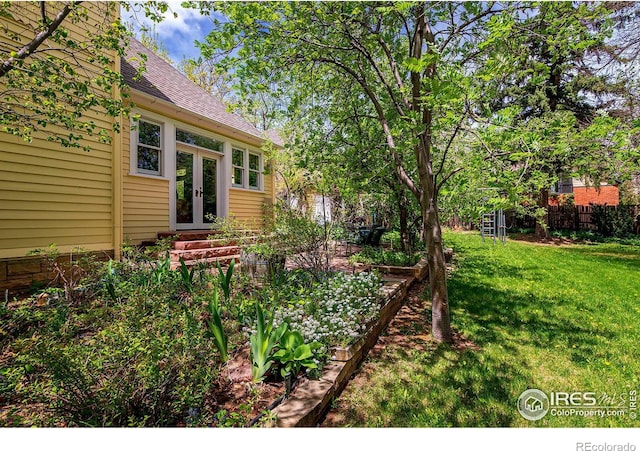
(163, 81)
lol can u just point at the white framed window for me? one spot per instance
(254, 171)
(149, 147)
(246, 169)
(237, 162)
(198, 140)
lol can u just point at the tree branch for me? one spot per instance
(25, 51)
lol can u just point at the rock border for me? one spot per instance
(420, 270)
(312, 399)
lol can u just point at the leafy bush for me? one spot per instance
(294, 354)
(380, 256)
(141, 357)
(148, 367)
(611, 221)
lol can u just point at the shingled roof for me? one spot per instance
(163, 81)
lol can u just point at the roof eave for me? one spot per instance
(145, 100)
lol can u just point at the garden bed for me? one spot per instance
(311, 400)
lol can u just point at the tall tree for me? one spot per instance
(551, 91)
(406, 60)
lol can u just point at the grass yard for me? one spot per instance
(555, 318)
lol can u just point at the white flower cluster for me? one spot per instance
(344, 306)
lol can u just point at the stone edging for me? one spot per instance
(312, 399)
(420, 270)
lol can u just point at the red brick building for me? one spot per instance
(581, 194)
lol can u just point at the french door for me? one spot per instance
(196, 188)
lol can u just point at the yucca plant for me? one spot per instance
(263, 341)
(220, 338)
(161, 270)
(225, 279)
(110, 281)
(187, 276)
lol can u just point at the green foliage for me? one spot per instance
(612, 222)
(216, 329)
(161, 270)
(186, 275)
(110, 281)
(381, 256)
(294, 354)
(263, 342)
(144, 362)
(51, 88)
(225, 279)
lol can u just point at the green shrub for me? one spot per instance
(145, 362)
(609, 221)
(379, 256)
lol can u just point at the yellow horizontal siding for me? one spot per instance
(64, 245)
(54, 219)
(54, 198)
(48, 193)
(23, 191)
(248, 206)
(145, 201)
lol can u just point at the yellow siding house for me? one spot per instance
(180, 161)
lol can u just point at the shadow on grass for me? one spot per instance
(505, 303)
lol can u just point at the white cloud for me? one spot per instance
(177, 33)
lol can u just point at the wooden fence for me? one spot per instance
(570, 217)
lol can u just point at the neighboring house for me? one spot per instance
(185, 160)
(317, 206)
(581, 194)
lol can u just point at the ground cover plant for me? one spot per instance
(556, 318)
(156, 347)
(381, 256)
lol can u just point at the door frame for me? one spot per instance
(199, 154)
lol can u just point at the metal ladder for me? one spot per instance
(494, 226)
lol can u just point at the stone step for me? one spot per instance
(201, 244)
(224, 261)
(199, 254)
(207, 244)
(188, 235)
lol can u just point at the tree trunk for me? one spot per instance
(440, 318)
(542, 224)
(403, 213)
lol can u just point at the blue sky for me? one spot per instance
(176, 34)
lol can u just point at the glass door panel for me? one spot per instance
(184, 187)
(209, 190)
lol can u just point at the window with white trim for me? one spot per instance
(149, 148)
(254, 171)
(246, 169)
(198, 140)
(237, 161)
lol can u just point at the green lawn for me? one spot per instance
(554, 318)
